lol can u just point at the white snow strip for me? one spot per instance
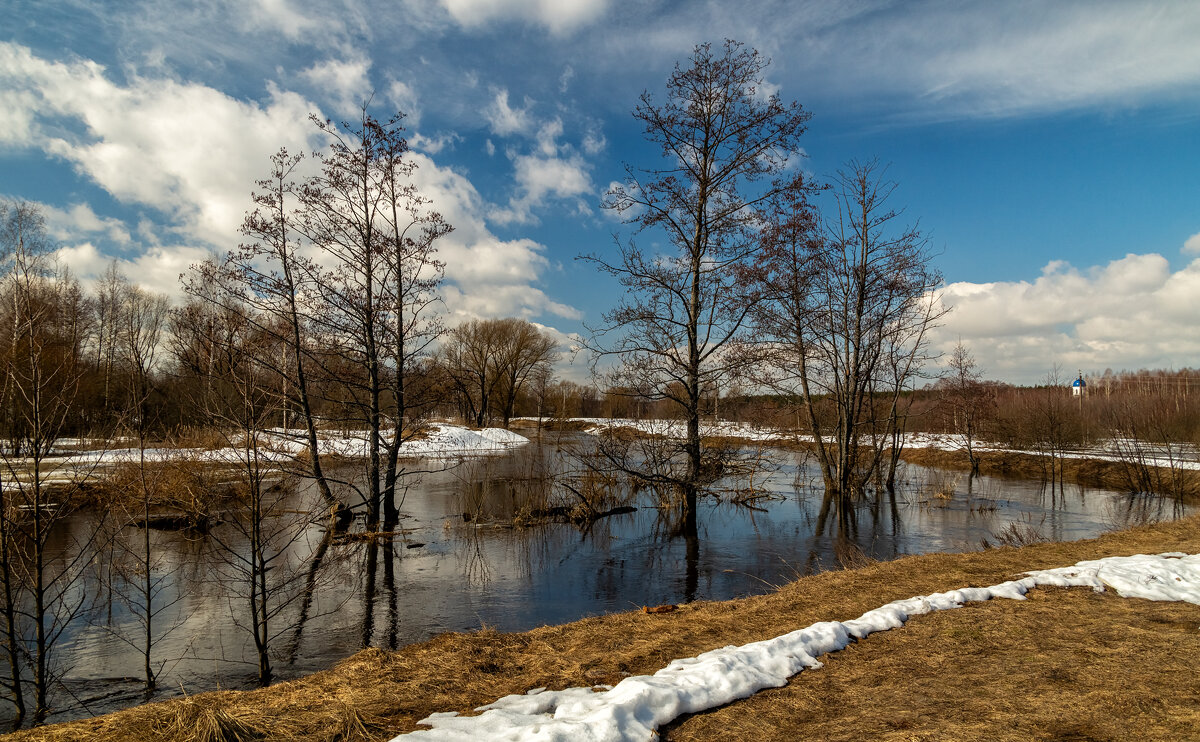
(637, 706)
(441, 441)
(1178, 456)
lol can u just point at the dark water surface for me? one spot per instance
(447, 574)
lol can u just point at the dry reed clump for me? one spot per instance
(191, 488)
(567, 425)
(941, 485)
(968, 651)
(193, 721)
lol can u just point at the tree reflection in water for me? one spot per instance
(484, 570)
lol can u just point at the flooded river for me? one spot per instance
(459, 565)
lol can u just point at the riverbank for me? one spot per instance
(1131, 469)
(1066, 664)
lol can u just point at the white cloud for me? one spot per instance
(16, 112)
(1192, 244)
(193, 153)
(538, 178)
(344, 82)
(547, 137)
(926, 59)
(79, 220)
(434, 144)
(506, 120)
(279, 14)
(1005, 59)
(594, 142)
(187, 150)
(1132, 313)
(157, 269)
(550, 171)
(403, 98)
(485, 275)
(559, 16)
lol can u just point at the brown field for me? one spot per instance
(1063, 665)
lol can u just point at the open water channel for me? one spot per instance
(448, 573)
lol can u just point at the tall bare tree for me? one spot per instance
(265, 544)
(845, 328)
(491, 361)
(140, 327)
(723, 138)
(341, 269)
(41, 365)
(966, 400)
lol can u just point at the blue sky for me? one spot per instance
(1049, 150)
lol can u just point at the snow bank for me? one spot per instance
(634, 708)
(441, 441)
(678, 428)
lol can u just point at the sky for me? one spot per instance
(1047, 150)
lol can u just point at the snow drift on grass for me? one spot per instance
(678, 428)
(440, 441)
(637, 706)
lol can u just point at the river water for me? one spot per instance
(459, 565)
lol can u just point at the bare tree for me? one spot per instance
(273, 276)
(140, 326)
(42, 366)
(108, 308)
(266, 529)
(378, 237)
(846, 321)
(723, 138)
(341, 270)
(525, 353)
(967, 401)
(467, 358)
(490, 361)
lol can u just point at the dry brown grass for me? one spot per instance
(1089, 472)
(957, 675)
(1065, 665)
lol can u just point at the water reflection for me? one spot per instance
(456, 562)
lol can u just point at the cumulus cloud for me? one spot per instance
(550, 170)
(187, 150)
(1132, 313)
(435, 143)
(192, 154)
(505, 119)
(404, 99)
(345, 83)
(558, 16)
(486, 276)
(79, 221)
(157, 269)
(1192, 245)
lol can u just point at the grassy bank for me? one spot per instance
(1101, 473)
(1063, 665)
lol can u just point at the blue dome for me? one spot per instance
(1079, 382)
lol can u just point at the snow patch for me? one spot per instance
(637, 706)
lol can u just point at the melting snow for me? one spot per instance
(634, 708)
(441, 440)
